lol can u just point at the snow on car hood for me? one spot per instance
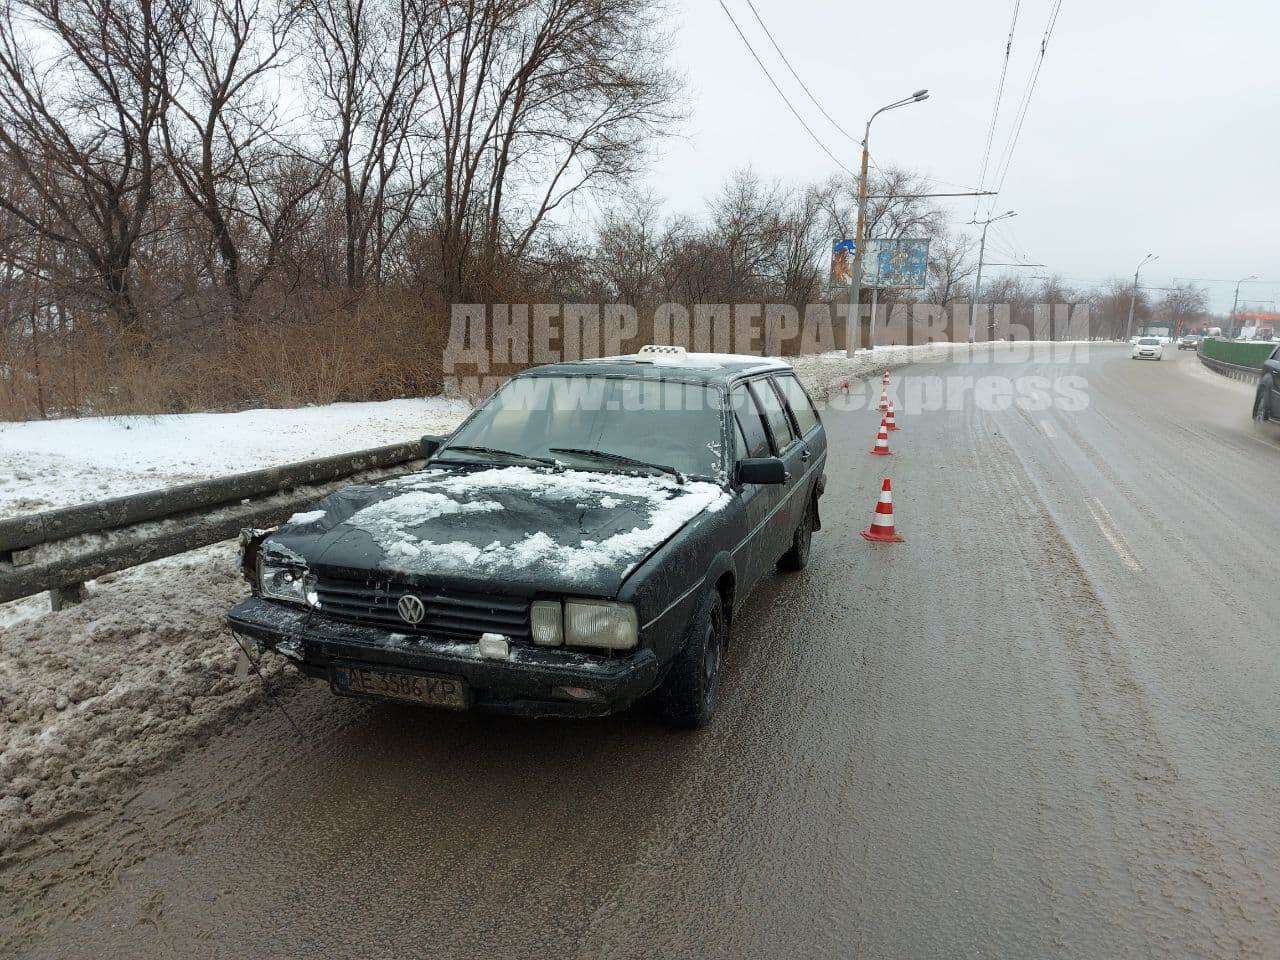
(524, 526)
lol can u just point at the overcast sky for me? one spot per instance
(1153, 127)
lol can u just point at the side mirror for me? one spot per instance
(762, 470)
(430, 445)
(1272, 365)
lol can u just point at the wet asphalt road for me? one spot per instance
(1046, 725)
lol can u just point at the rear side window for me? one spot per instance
(774, 415)
(801, 408)
(749, 423)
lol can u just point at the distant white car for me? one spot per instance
(1148, 348)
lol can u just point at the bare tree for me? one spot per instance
(1183, 305)
(629, 249)
(223, 136)
(951, 263)
(896, 208)
(368, 69)
(1110, 308)
(536, 102)
(802, 244)
(80, 100)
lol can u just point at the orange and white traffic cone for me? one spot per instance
(884, 399)
(886, 376)
(890, 419)
(881, 529)
(881, 449)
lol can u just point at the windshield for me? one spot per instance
(638, 422)
(1148, 342)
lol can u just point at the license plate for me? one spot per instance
(438, 690)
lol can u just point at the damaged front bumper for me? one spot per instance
(526, 683)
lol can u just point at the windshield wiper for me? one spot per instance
(620, 458)
(495, 452)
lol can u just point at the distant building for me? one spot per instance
(1257, 324)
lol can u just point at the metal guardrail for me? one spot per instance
(58, 550)
(1233, 370)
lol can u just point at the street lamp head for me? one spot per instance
(921, 95)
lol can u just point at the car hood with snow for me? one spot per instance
(519, 527)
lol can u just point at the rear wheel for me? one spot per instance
(797, 556)
(1262, 404)
(687, 697)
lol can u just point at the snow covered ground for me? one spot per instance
(56, 463)
(96, 694)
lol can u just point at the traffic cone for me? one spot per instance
(881, 529)
(884, 399)
(886, 376)
(890, 419)
(881, 449)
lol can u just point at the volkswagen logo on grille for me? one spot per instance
(411, 609)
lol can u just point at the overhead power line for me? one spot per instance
(1223, 280)
(803, 85)
(790, 106)
(921, 196)
(995, 109)
(1024, 105)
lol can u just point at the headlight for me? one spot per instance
(600, 623)
(293, 584)
(545, 619)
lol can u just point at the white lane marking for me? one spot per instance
(1047, 427)
(1266, 443)
(1109, 530)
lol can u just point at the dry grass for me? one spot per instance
(387, 347)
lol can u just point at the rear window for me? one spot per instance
(801, 408)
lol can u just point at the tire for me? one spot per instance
(687, 695)
(1262, 404)
(797, 557)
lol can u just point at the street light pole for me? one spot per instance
(1133, 294)
(855, 291)
(977, 283)
(1236, 303)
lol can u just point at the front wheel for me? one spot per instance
(687, 696)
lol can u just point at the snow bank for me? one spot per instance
(55, 463)
(824, 372)
(96, 694)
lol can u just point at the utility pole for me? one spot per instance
(1235, 304)
(1133, 294)
(977, 283)
(855, 291)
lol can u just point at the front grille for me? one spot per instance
(450, 615)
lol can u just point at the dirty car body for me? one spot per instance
(583, 538)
